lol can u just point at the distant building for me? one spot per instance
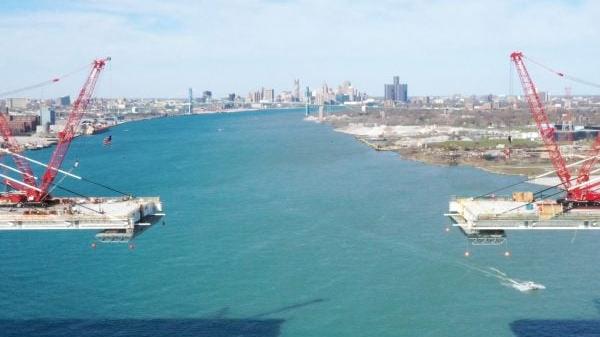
(17, 103)
(307, 95)
(65, 100)
(206, 96)
(346, 92)
(231, 97)
(296, 92)
(325, 95)
(396, 92)
(286, 97)
(389, 94)
(255, 96)
(191, 101)
(268, 95)
(342, 98)
(47, 116)
(22, 124)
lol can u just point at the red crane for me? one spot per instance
(68, 133)
(583, 189)
(28, 191)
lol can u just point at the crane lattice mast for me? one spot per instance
(583, 189)
(68, 133)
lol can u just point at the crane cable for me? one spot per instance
(561, 74)
(44, 83)
(106, 187)
(60, 181)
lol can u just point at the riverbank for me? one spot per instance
(41, 141)
(226, 111)
(486, 148)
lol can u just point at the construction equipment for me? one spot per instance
(29, 205)
(583, 190)
(484, 219)
(28, 190)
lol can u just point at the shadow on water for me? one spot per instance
(557, 327)
(287, 308)
(214, 326)
(141, 327)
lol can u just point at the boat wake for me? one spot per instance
(505, 280)
(498, 271)
(522, 286)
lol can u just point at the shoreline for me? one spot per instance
(36, 142)
(502, 168)
(421, 143)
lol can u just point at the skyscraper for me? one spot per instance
(296, 92)
(307, 95)
(401, 91)
(389, 92)
(268, 95)
(255, 96)
(397, 92)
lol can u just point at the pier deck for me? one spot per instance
(116, 219)
(485, 220)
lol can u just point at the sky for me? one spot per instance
(162, 48)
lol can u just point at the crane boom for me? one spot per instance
(588, 192)
(583, 190)
(541, 120)
(583, 174)
(68, 133)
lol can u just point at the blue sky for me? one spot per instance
(160, 48)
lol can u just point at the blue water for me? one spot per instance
(280, 227)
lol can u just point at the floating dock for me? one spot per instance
(116, 219)
(486, 220)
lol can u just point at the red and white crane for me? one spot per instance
(581, 188)
(28, 190)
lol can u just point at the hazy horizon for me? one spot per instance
(161, 49)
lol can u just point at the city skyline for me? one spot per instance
(162, 49)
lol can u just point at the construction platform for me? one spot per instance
(116, 219)
(486, 220)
